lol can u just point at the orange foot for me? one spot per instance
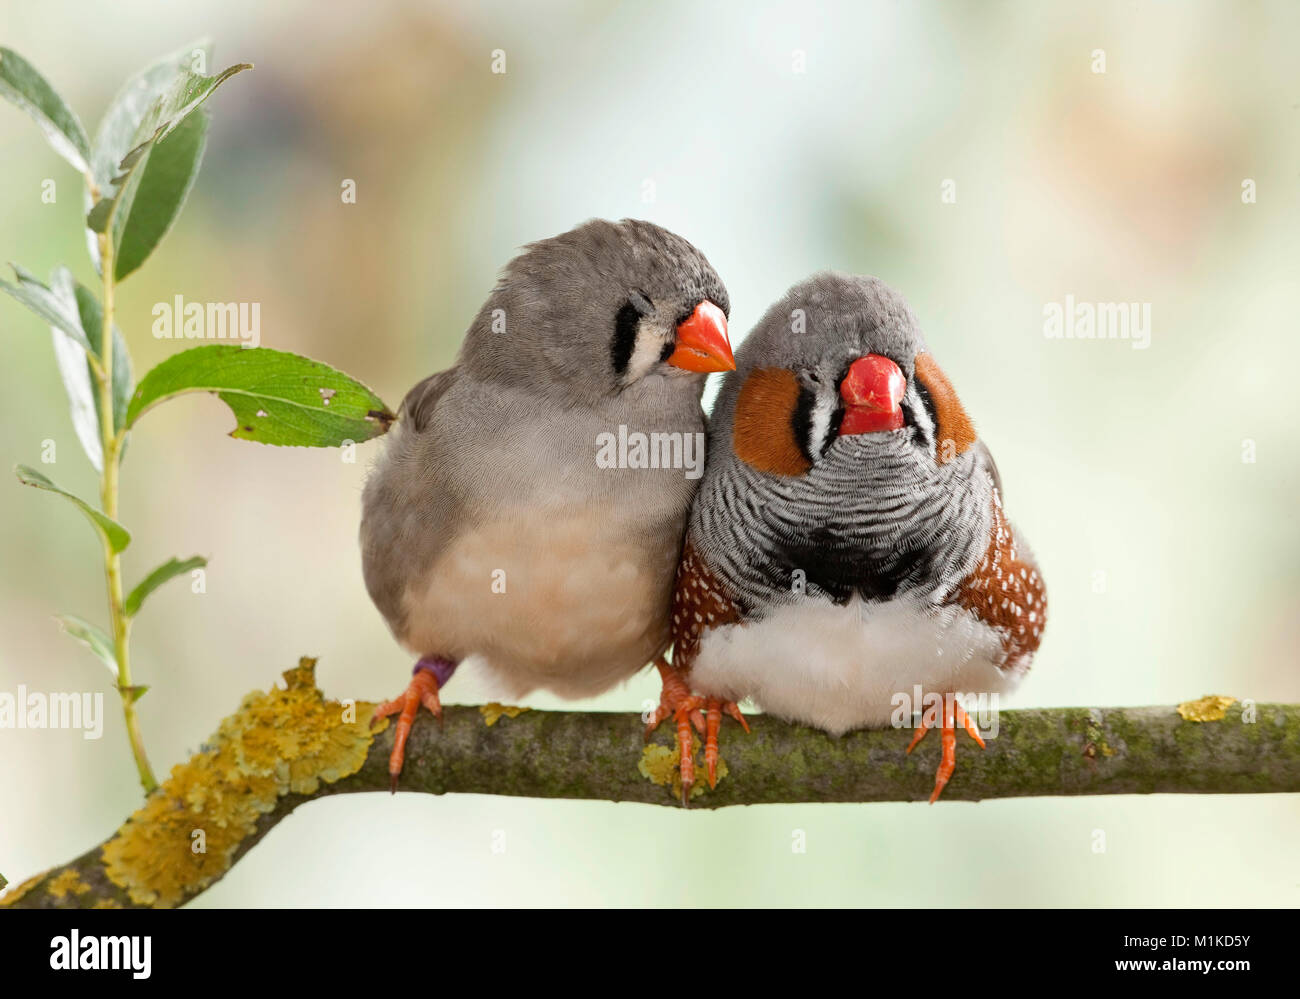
(684, 707)
(952, 712)
(429, 675)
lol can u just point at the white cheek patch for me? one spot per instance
(824, 407)
(650, 340)
(921, 417)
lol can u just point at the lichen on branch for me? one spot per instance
(288, 740)
(290, 745)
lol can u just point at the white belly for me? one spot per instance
(841, 667)
(572, 601)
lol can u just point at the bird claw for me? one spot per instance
(675, 694)
(953, 715)
(422, 690)
(687, 710)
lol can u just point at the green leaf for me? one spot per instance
(26, 88)
(76, 322)
(92, 638)
(92, 321)
(75, 368)
(168, 570)
(83, 397)
(58, 311)
(142, 199)
(97, 219)
(116, 133)
(159, 193)
(58, 304)
(278, 398)
(115, 136)
(187, 93)
(117, 536)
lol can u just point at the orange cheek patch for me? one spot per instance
(763, 431)
(954, 424)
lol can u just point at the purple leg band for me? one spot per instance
(442, 669)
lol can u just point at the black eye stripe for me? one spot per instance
(927, 435)
(926, 401)
(833, 429)
(624, 340)
(801, 421)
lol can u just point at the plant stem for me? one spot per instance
(111, 443)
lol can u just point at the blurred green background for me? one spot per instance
(1123, 186)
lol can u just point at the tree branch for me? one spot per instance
(289, 746)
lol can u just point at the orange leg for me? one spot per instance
(713, 721)
(686, 712)
(429, 675)
(678, 702)
(675, 691)
(953, 714)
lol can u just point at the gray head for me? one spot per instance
(858, 464)
(602, 308)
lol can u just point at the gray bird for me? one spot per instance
(501, 522)
(848, 545)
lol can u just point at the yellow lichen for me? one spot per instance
(19, 890)
(285, 740)
(67, 882)
(658, 764)
(1211, 707)
(493, 711)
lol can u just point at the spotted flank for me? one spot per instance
(1007, 592)
(699, 605)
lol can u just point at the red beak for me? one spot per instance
(872, 391)
(702, 343)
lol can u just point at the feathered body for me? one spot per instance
(489, 531)
(826, 572)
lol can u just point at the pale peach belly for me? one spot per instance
(568, 603)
